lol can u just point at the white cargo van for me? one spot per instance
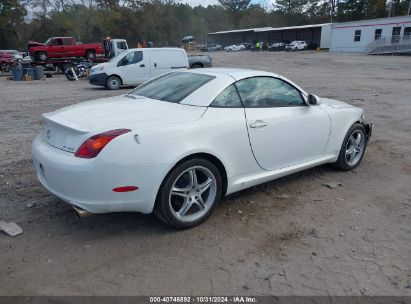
(136, 66)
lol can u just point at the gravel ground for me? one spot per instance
(292, 236)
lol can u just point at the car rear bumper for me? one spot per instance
(99, 79)
(89, 183)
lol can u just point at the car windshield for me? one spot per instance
(116, 55)
(47, 41)
(172, 87)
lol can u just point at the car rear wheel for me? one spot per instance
(42, 56)
(189, 194)
(352, 149)
(196, 66)
(91, 55)
(113, 83)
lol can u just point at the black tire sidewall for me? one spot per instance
(108, 86)
(162, 207)
(91, 57)
(42, 53)
(342, 162)
(68, 75)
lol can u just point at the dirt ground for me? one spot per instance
(354, 240)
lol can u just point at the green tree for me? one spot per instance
(235, 9)
(12, 13)
(291, 7)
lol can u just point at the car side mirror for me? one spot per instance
(312, 100)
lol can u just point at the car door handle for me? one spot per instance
(258, 124)
(142, 65)
(155, 65)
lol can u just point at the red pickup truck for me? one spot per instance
(61, 47)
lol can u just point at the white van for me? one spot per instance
(136, 66)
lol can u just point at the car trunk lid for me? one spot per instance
(68, 128)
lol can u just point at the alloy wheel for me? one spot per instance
(355, 148)
(192, 194)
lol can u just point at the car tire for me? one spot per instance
(42, 56)
(67, 66)
(352, 149)
(190, 203)
(113, 83)
(5, 68)
(196, 66)
(90, 55)
(70, 74)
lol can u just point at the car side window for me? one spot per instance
(133, 58)
(67, 41)
(268, 92)
(228, 98)
(56, 42)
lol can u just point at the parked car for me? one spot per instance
(212, 48)
(136, 66)
(60, 47)
(199, 61)
(6, 61)
(296, 46)
(247, 45)
(178, 143)
(278, 46)
(234, 48)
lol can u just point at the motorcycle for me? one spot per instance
(78, 71)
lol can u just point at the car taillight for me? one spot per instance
(95, 144)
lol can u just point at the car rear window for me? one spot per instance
(172, 87)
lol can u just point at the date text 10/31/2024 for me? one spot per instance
(203, 299)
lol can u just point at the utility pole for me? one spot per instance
(409, 8)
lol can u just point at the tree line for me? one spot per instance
(165, 22)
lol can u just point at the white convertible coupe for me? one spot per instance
(178, 143)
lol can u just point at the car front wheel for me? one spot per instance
(352, 149)
(189, 193)
(113, 83)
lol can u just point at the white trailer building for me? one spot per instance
(375, 36)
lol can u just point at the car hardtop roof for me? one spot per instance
(236, 73)
(155, 49)
(61, 37)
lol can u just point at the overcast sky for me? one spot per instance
(264, 3)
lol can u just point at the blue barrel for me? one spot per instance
(29, 71)
(17, 73)
(38, 72)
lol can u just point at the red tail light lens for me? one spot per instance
(125, 189)
(95, 144)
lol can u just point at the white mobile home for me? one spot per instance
(362, 36)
